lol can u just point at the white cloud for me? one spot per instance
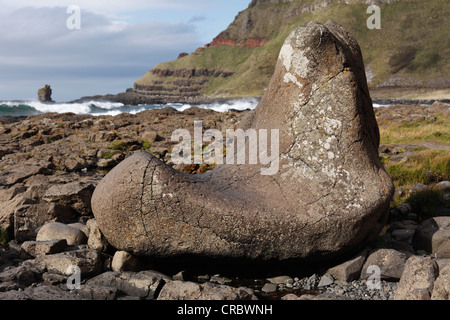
(107, 6)
(39, 47)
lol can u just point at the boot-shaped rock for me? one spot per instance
(328, 195)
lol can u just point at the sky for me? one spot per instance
(105, 48)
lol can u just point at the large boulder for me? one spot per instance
(441, 290)
(433, 236)
(57, 230)
(330, 195)
(418, 278)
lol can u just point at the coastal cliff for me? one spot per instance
(408, 52)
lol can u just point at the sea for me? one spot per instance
(104, 108)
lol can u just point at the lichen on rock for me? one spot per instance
(330, 196)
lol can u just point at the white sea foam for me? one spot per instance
(240, 104)
(376, 105)
(236, 104)
(97, 108)
(77, 108)
(117, 112)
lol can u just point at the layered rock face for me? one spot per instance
(186, 88)
(330, 195)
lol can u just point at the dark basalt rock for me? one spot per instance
(45, 94)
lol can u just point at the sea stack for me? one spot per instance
(45, 94)
(329, 197)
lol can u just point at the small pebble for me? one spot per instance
(269, 288)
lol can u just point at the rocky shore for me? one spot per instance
(50, 165)
(134, 97)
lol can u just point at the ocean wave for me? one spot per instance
(105, 108)
(16, 109)
(27, 108)
(235, 104)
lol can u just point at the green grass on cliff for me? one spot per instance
(426, 163)
(411, 132)
(422, 166)
(413, 42)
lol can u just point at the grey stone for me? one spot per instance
(418, 187)
(92, 292)
(80, 226)
(9, 193)
(443, 252)
(106, 163)
(19, 173)
(312, 280)
(325, 281)
(315, 205)
(102, 136)
(350, 270)
(280, 279)
(442, 262)
(8, 209)
(96, 239)
(143, 285)
(433, 234)
(391, 263)
(74, 194)
(404, 208)
(56, 230)
(403, 234)
(219, 279)
(291, 296)
(50, 293)
(23, 276)
(89, 261)
(180, 276)
(53, 279)
(179, 290)
(124, 261)
(151, 136)
(37, 248)
(269, 288)
(417, 281)
(14, 295)
(307, 297)
(441, 290)
(29, 218)
(443, 185)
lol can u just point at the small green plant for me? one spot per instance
(118, 145)
(108, 155)
(422, 166)
(3, 237)
(146, 145)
